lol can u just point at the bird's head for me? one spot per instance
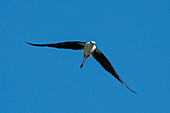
(93, 42)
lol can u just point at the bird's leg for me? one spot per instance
(84, 59)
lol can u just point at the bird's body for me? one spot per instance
(89, 49)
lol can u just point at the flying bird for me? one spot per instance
(89, 49)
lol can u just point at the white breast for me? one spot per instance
(89, 48)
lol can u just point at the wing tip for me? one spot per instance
(130, 89)
(29, 43)
(133, 91)
(36, 44)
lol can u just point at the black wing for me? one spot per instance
(99, 56)
(75, 45)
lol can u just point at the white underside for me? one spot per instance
(89, 49)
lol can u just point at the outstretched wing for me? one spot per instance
(99, 56)
(75, 45)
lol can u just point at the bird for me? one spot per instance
(89, 49)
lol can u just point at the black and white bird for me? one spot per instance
(89, 49)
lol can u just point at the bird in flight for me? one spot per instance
(89, 49)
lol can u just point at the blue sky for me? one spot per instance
(133, 34)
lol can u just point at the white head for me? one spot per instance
(93, 42)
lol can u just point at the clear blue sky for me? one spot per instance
(133, 34)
